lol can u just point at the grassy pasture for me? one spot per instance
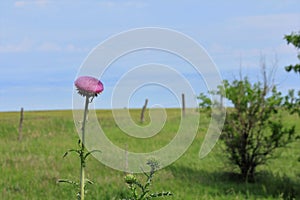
(30, 168)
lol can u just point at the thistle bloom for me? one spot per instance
(88, 86)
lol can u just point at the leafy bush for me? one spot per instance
(253, 128)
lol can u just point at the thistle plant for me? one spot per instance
(135, 186)
(88, 87)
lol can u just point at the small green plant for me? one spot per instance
(83, 155)
(144, 189)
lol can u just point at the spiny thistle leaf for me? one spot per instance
(160, 194)
(71, 150)
(89, 181)
(67, 181)
(90, 152)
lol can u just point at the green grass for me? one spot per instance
(30, 168)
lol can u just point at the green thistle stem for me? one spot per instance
(82, 153)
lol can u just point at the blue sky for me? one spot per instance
(44, 42)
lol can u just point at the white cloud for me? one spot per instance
(231, 58)
(245, 39)
(73, 48)
(136, 4)
(281, 49)
(118, 4)
(40, 3)
(48, 46)
(25, 45)
(20, 3)
(54, 47)
(287, 21)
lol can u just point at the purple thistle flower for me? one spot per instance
(88, 86)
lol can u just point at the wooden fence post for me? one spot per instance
(126, 159)
(183, 105)
(221, 101)
(143, 111)
(21, 124)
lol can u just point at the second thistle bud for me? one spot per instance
(130, 179)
